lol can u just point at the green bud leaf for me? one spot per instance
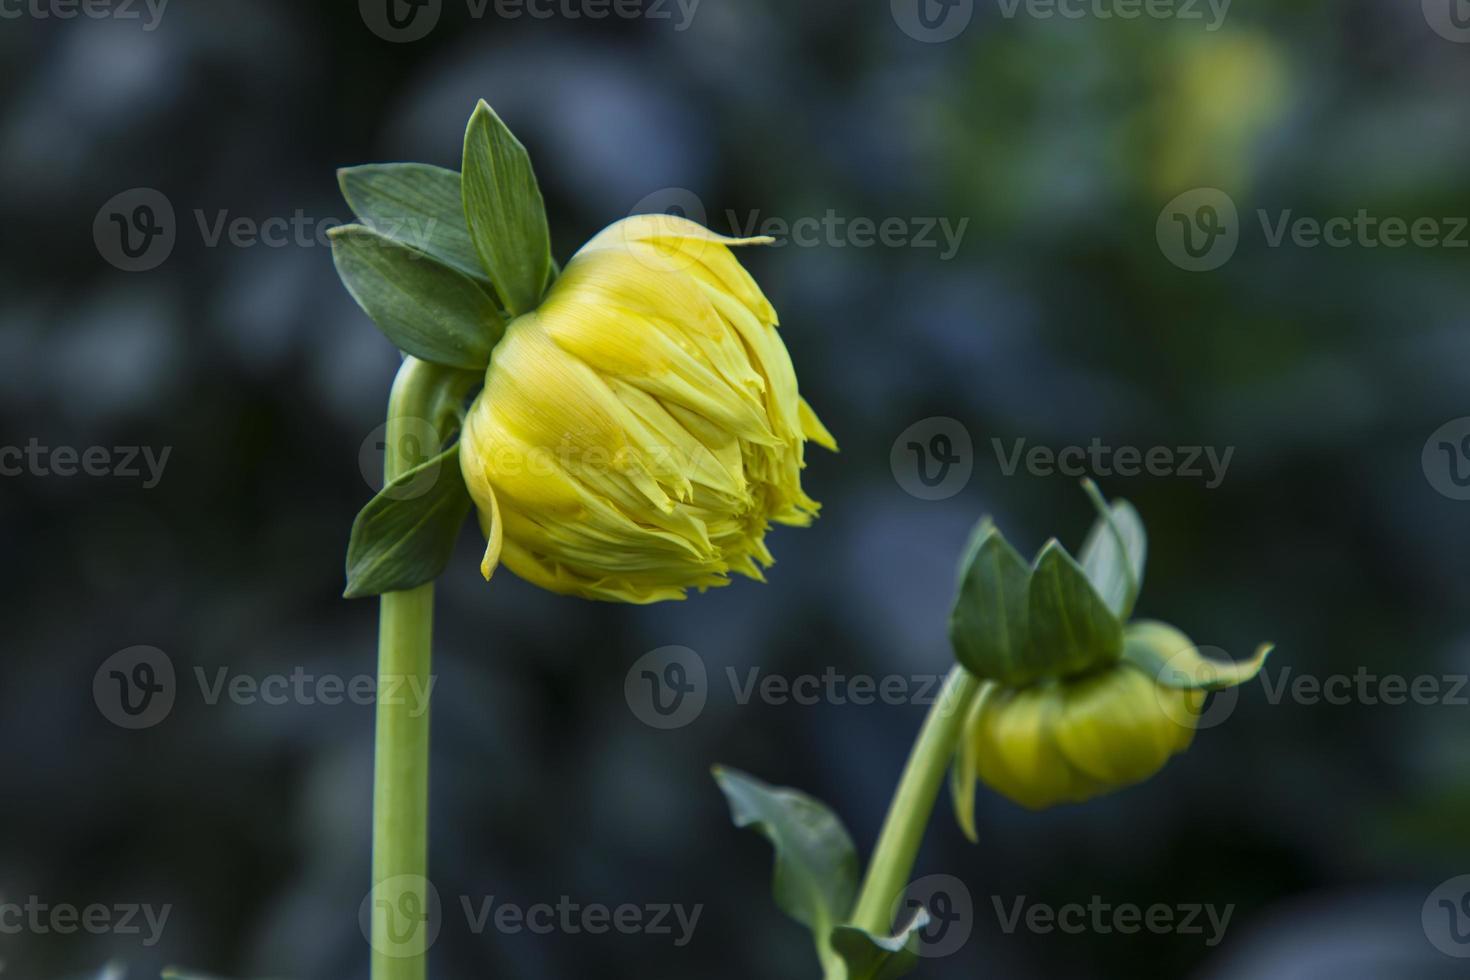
(870, 957)
(417, 204)
(426, 309)
(987, 626)
(1072, 629)
(1114, 553)
(505, 212)
(406, 534)
(1172, 660)
(816, 874)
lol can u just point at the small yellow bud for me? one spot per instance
(640, 429)
(1071, 739)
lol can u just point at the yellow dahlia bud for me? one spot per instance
(1069, 740)
(642, 427)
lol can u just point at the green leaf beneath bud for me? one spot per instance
(505, 212)
(405, 535)
(870, 957)
(816, 863)
(436, 313)
(417, 204)
(1172, 660)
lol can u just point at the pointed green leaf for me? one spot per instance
(870, 957)
(988, 625)
(429, 310)
(405, 535)
(504, 211)
(416, 204)
(1114, 553)
(816, 863)
(1072, 631)
(1172, 660)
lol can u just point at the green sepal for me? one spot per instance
(427, 309)
(417, 204)
(988, 625)
(870, 957)
(504, 211)
(405, 535)
(1172, 660)
(1114, 553)
(1072, 629)
(816, 865)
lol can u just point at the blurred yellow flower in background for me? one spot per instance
(639, 431)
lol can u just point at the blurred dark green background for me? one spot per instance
(1062, 317)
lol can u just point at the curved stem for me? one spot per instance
(913, 802)
(400, 903)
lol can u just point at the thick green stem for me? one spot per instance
(913, 802)
(400, 897)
